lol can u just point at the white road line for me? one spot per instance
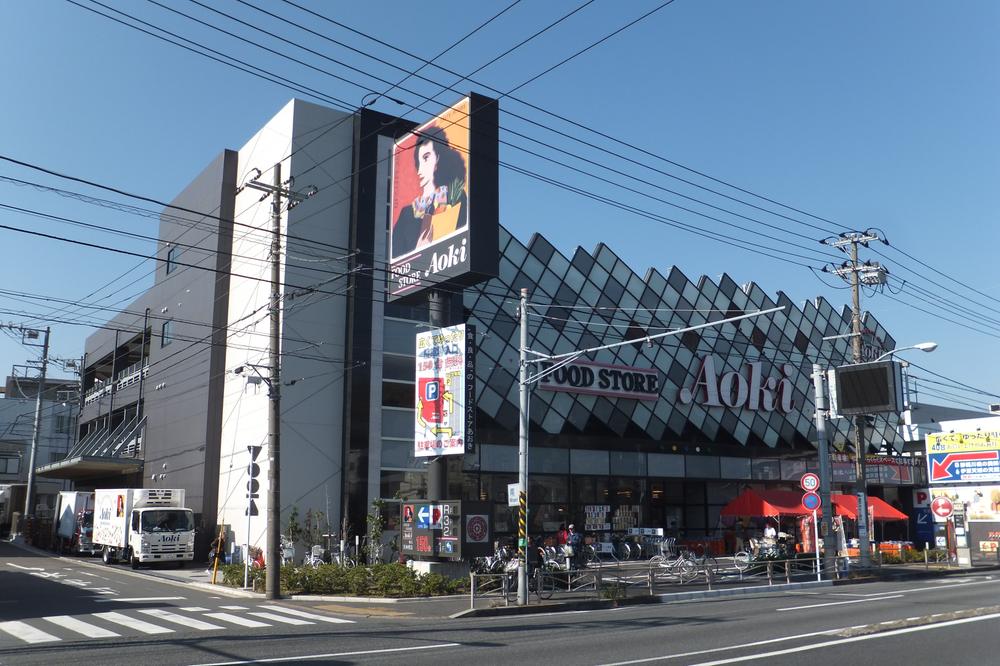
(132, 623)
(194, 609)
(27, 633)
(236, 619)
(839, 603)
(167, 616)
(853, 639)
(234, 607)
(283, 619)
(308, 616)
(138, 600)
(79, 626)
(18, 566)
(331, 655)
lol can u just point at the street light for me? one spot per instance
(922, 346)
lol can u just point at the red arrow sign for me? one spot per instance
(940, 468)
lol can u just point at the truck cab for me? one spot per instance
(159, 534)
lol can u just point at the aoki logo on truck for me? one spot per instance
(738, 390)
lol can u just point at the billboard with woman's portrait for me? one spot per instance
(443, 202)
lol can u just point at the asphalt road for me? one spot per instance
(54, 611)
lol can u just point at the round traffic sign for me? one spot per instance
(810, 501)
(809, 482)
(942, 507)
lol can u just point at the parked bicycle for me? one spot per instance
(679, 565)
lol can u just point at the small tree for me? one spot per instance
(294, 530)
(376, 524)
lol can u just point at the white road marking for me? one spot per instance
(853, 639)
(283, 619)
(79, 626)
(26, 632)
(308, 616)
(234, 607)
(331, 655)
(132, 623)
(236, 619)
(167, 616)
(138, 600)
(839, 603)
(18, 566)
(194, 609)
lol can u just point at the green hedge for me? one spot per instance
(380, 580)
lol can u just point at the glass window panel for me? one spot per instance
(497, 458)
(706, 467)
(398, 367)
(399, 455)
(399, 337)
(589, 462)
(734, 468)
(403, 485)
(721, 493)
(544, 488)
(792, 470)
(766, 469)
(395, 394)
(398, 423)
(628, 463)
(666, 464)
(546, 460)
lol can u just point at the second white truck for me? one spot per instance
(142, 525)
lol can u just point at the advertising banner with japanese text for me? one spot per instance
(445, 405)
(969, 456)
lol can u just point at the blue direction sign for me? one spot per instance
(810, 501)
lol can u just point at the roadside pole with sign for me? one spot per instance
(811, 501)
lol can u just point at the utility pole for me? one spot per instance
(870, 273)
(522, 459)
(272, 557)
(29, 496)
(825, 477)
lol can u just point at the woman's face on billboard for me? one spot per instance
(427, 161)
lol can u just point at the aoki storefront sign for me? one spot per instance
(612, 381)
(744, 389)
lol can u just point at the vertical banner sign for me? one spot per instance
(470, 388)
(253, 485)
(445, 408)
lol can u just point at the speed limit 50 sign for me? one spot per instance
(809, 482)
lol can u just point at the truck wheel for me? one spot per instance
(133, 560)
(106, 555)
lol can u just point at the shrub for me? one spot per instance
(380, 580)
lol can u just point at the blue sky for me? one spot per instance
(861, 114)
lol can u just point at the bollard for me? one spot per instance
(770, 572)
(788, 571)
(650, 579)
(472, 591)
(927, 564)
(708, 576)
(505, 586)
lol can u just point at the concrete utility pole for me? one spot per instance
(522, 459)
(855, 271)
(272, 557)
(825, 477)
(29, 496)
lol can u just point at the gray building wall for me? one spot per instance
(182, 389)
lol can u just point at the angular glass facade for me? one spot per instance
(662, 462)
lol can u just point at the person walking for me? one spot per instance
(574, 547)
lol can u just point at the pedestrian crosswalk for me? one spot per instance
(155, 621)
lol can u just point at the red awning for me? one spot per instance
(847, 506)
(766, 503)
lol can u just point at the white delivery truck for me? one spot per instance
(143, 525)
(75, 522)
